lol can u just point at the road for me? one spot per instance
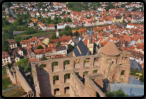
(11, 12)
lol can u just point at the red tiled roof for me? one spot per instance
(34, 60)
(5, 54)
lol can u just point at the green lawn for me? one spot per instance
(6, 82)
(3, 70)
(17, 92)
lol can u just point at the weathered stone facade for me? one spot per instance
(109, 67)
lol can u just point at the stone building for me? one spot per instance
(81, 76)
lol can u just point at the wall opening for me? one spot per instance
(66, 90)
(55, 79)
(54, 66)
(56, 91)
(94, 71)
(122, 72)
(86, 62)
(66, 77)
(97, 94)
(96, 61)
(85, 73)
(65, 63)
(77, 63)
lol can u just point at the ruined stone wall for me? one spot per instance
(12, 78)
(60, 71)
(45, 75)
(22, 80)
(35, 80)
(78, 86)
(92, 87)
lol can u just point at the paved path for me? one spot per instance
(10, 88)
(11, 12)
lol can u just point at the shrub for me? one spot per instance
(43, 65)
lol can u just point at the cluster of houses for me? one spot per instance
(129, 38)
(83, 18)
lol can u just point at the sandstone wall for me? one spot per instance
(78, 86)
(12, 78)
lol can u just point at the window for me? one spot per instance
(122, 72)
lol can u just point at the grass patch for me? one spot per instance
(17, 92)
(6, 82)
(3, 70)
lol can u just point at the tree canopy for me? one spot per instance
(40, 47)
(5, 45)
(22, 63)
(58, 43)
(118, 93)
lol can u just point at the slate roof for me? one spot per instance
(61, 48)
(76, 52)
(84, 50)
(134, 81)
(135, 65)
(118, 17)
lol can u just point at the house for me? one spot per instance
(30, 51)
(29, 8)
(118, 19)
(37, 14)
(24, 43)
(39, 53)
(32, 13)
(61, 50)
(130, 25)
(60, 26)
(51, 27)
(5, 15)
(137, 20)
(24, 12)
(46, 39)
(5, 58)
(31, 24)
(12, 43)
(10, 19)
(80, 49)
(41, 25)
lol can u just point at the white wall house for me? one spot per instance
(60, 26)
(130, 26)
(5, 58)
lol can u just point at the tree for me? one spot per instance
(58, 43)
(130, 15)
(142, 77)
(70, 47)
(8, 4)
(43, 58)
(49, 41)
(5, 22)
(53, 36)
(3, 8)
(27, 69)
(40, 47)
(68, 20)
(5, 45)
(17, 38)
(22, 63)
(118, 93)
(67, 27)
